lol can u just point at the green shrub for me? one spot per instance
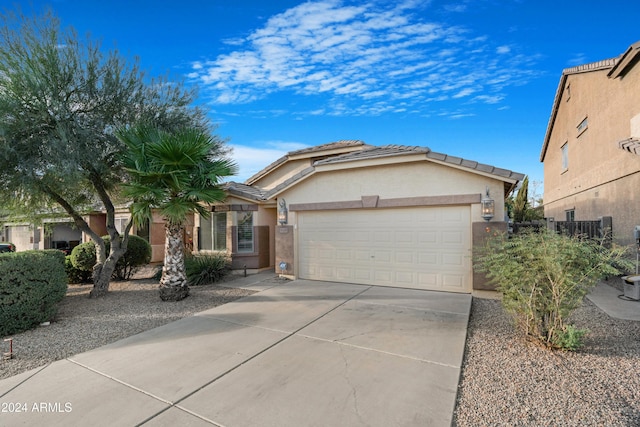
(75, 275)
(206, 269)
(31, 285)
(138, 253)
(544, 277)
(83, 256)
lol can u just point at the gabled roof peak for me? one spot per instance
(343, 143)
(592, 66)
(347, 144)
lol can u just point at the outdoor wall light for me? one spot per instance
(282, 212)
(488, 206)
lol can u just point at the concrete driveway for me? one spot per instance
(303, 353)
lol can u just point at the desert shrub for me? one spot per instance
(31, 285)
(75, 275)
(138, 254)
(544, 277)
(206, 269)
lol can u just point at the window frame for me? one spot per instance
(570, 215)
(583, 126)
(564, 150)
(215, 228)
(120, 223)
(244, 232)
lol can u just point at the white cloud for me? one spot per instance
(362, 58)
(577, 59)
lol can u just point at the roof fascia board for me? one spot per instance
(554, 114)
(390, 159)
(627, 61)
(237, 195)
(475, 171)
(267, 170)
(321, 153)
(274, 192)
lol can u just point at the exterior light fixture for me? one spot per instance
(488, 206)
(282, 212)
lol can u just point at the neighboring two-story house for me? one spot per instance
(591, 150)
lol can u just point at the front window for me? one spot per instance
(213, 232)
(121, 224)
(565, 157)
(245, 231)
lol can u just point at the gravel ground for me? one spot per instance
(507, 381)
(83, 324)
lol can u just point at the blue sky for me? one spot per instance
(469, 78)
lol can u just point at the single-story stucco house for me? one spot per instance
(349, 212)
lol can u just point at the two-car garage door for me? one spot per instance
(424, 248)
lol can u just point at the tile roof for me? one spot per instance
(368, 152)
(345, 143)
(399, 150)
(244, 190)
(592, 66)
(374, 152)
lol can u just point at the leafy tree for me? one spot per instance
(544, 277)
(61, 100)
(173, 172)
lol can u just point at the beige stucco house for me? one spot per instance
(344, 212)
(591, 150)
(349, 212)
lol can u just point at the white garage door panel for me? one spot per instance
(425, 248)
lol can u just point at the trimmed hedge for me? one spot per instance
(75, 275)
(31, 285)
(83, 256)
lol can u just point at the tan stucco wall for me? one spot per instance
(282, 173)
(601, 179)
(421, 178)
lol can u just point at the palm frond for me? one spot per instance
(172, 172)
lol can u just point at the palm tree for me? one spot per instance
(173, 173)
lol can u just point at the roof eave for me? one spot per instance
(552, 117)
(626, 61)
(580, 69)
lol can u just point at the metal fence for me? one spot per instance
(597, 229)
(591, 229)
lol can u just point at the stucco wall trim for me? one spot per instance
(366, 202)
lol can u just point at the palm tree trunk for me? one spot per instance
(173, 284)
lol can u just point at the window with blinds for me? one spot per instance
(245, 231)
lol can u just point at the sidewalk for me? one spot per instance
(606, 297)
